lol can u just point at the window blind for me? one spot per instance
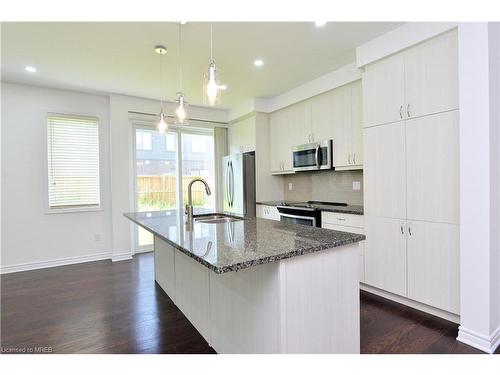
(73, 161)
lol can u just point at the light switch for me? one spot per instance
(356, 185)
(290, 186)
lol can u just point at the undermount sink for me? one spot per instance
(216, 218)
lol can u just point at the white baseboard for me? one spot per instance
(413, 304)
(479, 341)
(121, 256)
(54, 263)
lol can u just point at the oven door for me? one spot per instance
(297, 219)
(312, 156)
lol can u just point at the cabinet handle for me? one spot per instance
(354, 159)
(402, 230)
(408, 110)
(349, 159)
(409, 229)
(401, 111)
(340, 219)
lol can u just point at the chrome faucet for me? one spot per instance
(189, 206)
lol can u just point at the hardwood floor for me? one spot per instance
(105, 307)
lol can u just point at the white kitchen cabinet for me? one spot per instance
(433, 264)
(385, 171)
(383, 91)
(356, 157)
(347, 223)
(385, 254)
(431, 76)
(420, 81)
(241, 136)
(267, 212)
(281, 140)
(301, 123)
(322, 113)
(432, 168)
(341, 121)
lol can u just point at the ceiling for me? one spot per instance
(118, 57)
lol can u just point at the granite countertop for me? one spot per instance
(349, 209)
(226, 247)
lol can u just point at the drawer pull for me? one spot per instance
(340, 219)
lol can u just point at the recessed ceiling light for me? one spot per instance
(183, 22)
(30, 69)
(258, 62)
(320, 23)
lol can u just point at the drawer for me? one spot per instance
(267, 212)
(348, 220)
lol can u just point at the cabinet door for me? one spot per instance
(356, 124)
(341, 120)
(385, 170)
(300, 125)
(383, 91)
(241, 136)
(321, 117)
(385, 254)
(433, 264)
(432, 164)
(431, 76)
(164, 266)
(287, 139)
(276, 127)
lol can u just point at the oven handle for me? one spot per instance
(313, 219)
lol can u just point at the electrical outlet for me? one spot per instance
(290, 186)
(97, 237)
(356, 185)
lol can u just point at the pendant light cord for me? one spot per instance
(161, 82)
(180, 58)
(211, 42)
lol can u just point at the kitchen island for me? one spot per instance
(259, 286)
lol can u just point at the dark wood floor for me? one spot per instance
(105, 307)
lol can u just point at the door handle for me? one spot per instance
(232, 183)
(227, 184)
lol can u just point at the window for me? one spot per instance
(73, 162)
(143, 140)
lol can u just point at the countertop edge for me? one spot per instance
(243, 265)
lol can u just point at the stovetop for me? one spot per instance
(312, 204)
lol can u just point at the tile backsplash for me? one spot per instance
(330, 186)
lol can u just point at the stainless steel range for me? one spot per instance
(305, 213)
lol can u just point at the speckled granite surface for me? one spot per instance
(226, 247)
(349, 209)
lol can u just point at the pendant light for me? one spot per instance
(211, 87)
(181, 110)
(162, 125)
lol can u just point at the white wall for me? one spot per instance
(31, 236)
(33, 239)
(479, 81)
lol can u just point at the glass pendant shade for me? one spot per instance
(181, 110)
(212, 90)
(162, 125)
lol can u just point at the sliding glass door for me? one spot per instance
(165, 163)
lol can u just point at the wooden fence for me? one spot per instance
(163, 189)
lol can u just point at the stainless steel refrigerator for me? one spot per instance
(238, 178)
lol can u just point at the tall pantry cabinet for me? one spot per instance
(411, 173)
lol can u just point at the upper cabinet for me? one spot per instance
(336, 114)
(383, 91)
(420, 81)
(241, 136)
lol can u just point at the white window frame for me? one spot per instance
(48, 209)
(148, 132)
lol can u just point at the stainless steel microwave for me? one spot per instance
(313, 156)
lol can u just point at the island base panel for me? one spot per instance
(304, 304)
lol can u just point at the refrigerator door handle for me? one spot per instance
(227, 184)
(232, 182)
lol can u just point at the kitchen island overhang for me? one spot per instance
(295, 289)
